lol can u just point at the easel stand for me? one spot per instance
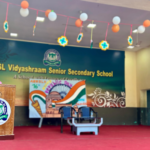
(40, 123)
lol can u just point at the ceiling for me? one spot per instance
(48, 32)
(135, 4)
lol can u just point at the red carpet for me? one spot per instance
(50, 138)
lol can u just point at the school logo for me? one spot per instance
(5, 111)
(52, 58)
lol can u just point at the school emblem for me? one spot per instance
(52, 58)
(5, 111)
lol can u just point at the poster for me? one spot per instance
(47, 96)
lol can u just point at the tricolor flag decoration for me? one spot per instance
(76, 92)
(38, 94)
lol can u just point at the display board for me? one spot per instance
(47, 96)
(103, 71)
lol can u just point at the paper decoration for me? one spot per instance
(91, 42)
(104, 45)
(5, 26)
(79, 38)
(63, 41)
(130, 40)
(91, 46)
(34, 30)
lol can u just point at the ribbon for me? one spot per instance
(106, 32)
(66, 26)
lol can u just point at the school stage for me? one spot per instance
(50, 138)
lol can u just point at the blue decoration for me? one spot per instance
(79, 38)
(5, 26)
(130, 40)
(104, 45)
(63, 41)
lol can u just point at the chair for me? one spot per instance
(66, 111)
(85, 113)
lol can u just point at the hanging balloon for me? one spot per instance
(24, 12)
(52, 16)
(78, 23)
(24, 4)
(83, 17)
(116, 20)
(141, 29)
(47, 12)
(115, 28)
(146, 23)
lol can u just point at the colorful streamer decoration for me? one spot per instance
(63, 41)
(91, 44)
(79, 37)
(34, 30)
(6, 26)
(104, 45)
(91, 41)
(34, 27)
(130, 40)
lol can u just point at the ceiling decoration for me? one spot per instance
(35, 24)
(5, 24)
(24, 11)
(130, 40)
(63, 41)
(79, 37)
(79, 23)
(91, 42)
(104, 45)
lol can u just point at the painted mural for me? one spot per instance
(47, 96)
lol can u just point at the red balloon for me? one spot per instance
(24, 4)
(78, 23)
(115, 28)
(146, 23)
(47, 12)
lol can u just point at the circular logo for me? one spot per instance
(52, 56)
(5, 111)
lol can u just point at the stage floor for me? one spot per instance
(50, 138)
